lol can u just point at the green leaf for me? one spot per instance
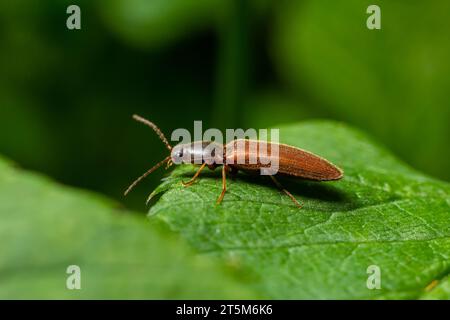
(45, 227)
(381, 213)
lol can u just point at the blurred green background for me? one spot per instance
(67, 96)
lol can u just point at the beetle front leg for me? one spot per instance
(190, 182)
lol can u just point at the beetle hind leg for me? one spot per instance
(298, 204)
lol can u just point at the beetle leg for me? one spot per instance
(190, 182)
(286, 192)
(224, 184)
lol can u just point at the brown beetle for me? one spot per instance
(293, 161)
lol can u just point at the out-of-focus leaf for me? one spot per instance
(382, 213)
(46, 227)
(158, 22)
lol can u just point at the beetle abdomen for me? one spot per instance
(254, 155)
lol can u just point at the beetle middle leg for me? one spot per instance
(190, 182)
(224, 183)
(286, 192)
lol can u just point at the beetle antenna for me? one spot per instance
(155, 128)
(156, 166)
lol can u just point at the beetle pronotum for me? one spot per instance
(293, 161)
